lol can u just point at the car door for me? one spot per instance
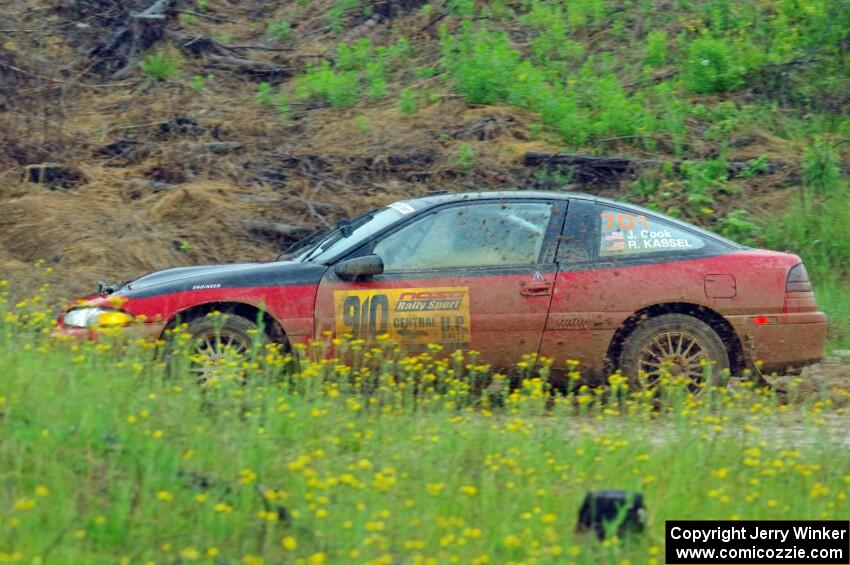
(473, 275)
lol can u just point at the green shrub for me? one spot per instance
(483, 64)
(647, 184)
(486, 70)
(815, 226)
(552, 41)
(712, 67)
(407, 102)
(353, 57)
(362, 124)
(461, 7)
(279, 30)
(656, 49)
(339, 11)
(358, 69)
(736, 225)
(581, 13)
(465, 157)
(339, 89)
(562, 113)
(263, 97)
(615, 112)
(674, 112)
(376, 82)
(719, 14)
(426, 72)
(160, 65)
(530, 88)
(198, 83)
(822, 169)
(395, 54)
(553, 179)
(754, 168)
(816, 231)
(704, 179)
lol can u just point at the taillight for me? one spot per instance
(798, 280)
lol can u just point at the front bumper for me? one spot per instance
(782, 343)
(148, 331)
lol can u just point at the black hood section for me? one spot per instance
(181, 279)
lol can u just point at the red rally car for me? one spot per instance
(563, 275)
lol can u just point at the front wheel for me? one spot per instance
(678, 344)
(217, 339)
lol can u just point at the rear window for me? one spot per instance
(628, 234)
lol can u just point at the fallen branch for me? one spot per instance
(217, 147)
(589, 167)
(257, 47)
(207, 16)
(258, 69)
(51, 79)
(117, 55)
(276, 228)
(155, 11)
(221, 56)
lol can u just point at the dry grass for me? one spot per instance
(116, 226)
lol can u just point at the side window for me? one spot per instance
(475, 235)
(580, 233)
(624, 233)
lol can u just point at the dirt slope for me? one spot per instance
(164, 175)
(109, 170)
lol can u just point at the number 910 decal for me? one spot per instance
(412, 316)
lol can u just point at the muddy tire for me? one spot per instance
(214, 338)
(678, 342)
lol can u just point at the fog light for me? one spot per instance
(114, 319)
(612, 512)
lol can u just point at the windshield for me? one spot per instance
(322, 248)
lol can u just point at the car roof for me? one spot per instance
(442, 197)
(438, 198)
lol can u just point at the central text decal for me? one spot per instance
(409, 315)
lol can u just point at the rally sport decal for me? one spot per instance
(413, 316)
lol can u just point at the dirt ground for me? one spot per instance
(827, 380)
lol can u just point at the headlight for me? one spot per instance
(101, 317)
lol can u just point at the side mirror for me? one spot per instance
(359, 266)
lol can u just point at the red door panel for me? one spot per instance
(499, 314)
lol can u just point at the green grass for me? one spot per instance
(105, 457)
(832, 293)
(160, 65)
(813, 227)
(693, 82)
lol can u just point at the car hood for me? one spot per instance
(278, 273)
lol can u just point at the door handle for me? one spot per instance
(535, 288)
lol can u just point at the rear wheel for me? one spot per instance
(678, 344)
